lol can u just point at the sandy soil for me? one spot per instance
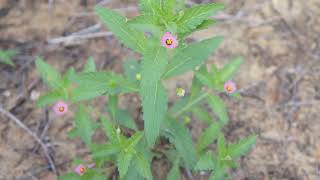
(279, 83)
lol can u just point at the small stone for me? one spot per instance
(7, 93)
(34, 95)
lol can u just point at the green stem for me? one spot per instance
(191, 103)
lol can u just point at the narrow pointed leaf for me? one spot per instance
(118, 25)
(179, 135)
(90, 66)
(209, 135)
(174, 173)
(91, 85)
(154, 96)
(49, 74)
(228, 71)
(202, 115)
(84, 127)
(195, 15)
(205, 162)
(7, 55)
(105, 151)
(123, 163)
(191, 56)
(242, 147)
(50, 98)
(218, 107)
(109, 128)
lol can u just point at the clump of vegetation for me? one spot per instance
(158, 34)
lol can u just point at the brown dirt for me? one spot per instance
(279, 83)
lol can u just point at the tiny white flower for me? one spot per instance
(118, 130)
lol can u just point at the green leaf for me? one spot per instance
(131, 68)
(50, 98)
(49, 74)
(68, 77)
(205, 79)
(218, 174)
(133, 173)
(134, 140)
(105, 150)
(179, 104)
(118, 25)
(147, 7)
(155, 30)
(174, 173)
(205, 162)
(228, 71)
(188, 106)
(112, 105)
(156, 7)
(142, 159)
(222, 148)
(91, 85)
(242, 147)
(84, 127)
(90, 66)
(179, 135)
(195, 88)
(124, 118)
(70, 176)
(154, 96)
(6, 56)
(205, 24)
(143, 19)
(195, 15)
(118, 115)
(191, 56)
(109, 129)
(172, 27)
(218, 107)
(143, 165)
(154, 108)
(202, 115)
(208, 136)
(168, 6)
(123, 163)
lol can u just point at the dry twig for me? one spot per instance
(35, 137)
(72, 38)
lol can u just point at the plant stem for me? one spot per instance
(191, 103)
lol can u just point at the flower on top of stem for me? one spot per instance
(230, 87)
(169, 41)
(60, 108)
(80, 169)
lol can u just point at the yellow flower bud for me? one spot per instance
(138, 76)
(180, 92)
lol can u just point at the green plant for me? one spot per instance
(6, 56)
(158, 34)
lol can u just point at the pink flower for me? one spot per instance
(60, 108)
(80, 169)
(169, 41)
(230, 87)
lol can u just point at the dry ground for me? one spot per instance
(279, 82)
